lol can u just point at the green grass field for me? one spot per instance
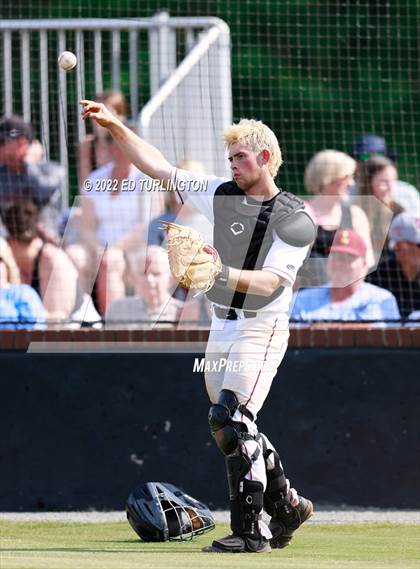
(56, 545)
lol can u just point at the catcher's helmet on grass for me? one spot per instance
(158, 511)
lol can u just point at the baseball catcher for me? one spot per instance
(261, 236)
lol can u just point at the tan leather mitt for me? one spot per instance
(193, 263)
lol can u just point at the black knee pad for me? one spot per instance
(218, 417)
(228, 400)
(226, 432)
(227, 438)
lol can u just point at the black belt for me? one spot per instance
(231, 314)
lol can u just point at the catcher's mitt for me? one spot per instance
(193, 263)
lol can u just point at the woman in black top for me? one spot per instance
(42, 264)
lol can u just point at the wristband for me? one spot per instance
(223, 276)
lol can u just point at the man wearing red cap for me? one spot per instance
(347, 296)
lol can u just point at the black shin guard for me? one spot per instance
(246, 501)
(285, 518)
(237, 466)
(276, 493)
(245, 496)
(247, 508)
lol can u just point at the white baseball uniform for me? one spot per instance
(243, 355)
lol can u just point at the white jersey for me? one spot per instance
(282, 259)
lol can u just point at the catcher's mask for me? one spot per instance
(158, 511)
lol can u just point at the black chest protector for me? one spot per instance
(243, 237)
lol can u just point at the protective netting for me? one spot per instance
(322, 75)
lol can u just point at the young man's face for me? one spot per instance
(344, 269)
(245, 165)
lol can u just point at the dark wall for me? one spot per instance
(80, 431)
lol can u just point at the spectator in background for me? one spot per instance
(377, 177)
(41, 263)
(20, 305)
(180, 213)
(116, 207)
(402, 193)
(35, 178)
(93, 153)
(347, 296)
(153, 302)
(328, 176)
(94, 149)
(399, 268)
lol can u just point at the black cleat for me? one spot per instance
(238, 544)
(284, 524)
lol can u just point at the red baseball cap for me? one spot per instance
(348, 241)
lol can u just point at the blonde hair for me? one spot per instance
(6, 255)
(256, 136)
(325, 167)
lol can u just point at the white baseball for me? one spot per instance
(67, 60)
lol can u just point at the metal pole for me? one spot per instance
(7, 71)
(116, 60)
(99, 86)
(62, 121)
(134, 74)
(26, 76)
(81, 127)
(45, 114)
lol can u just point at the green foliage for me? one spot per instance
(319, 73)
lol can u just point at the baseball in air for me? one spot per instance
(67, 60)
